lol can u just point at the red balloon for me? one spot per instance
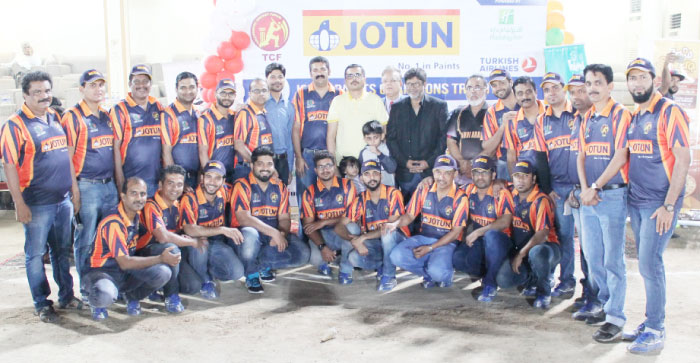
(208, 95)
(208, 80)
(240, 40)
(224, 74)
(213, 64)
(233, 65)
(227, 51)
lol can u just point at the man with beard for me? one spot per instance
(251, 128)
(260, 207)
(311, 104)
(602, 172)
(179, 129)
(464, 128)
(444, 212)
(136, 124)
(497, 118)
(670, 78)
(215, 129)
(324, 204)
(280, 116)
(202, 216)
(392, 87)
(115, 268)
(363, 221)
(658, 166)
(490, 215)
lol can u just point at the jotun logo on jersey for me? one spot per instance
(381, 32)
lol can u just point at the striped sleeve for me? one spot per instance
(240, 199)
(510, 137)
(308, 209)
(169, 127)
(621, 126)
(284, 200)
(396, 207)
(415, 206)
(152, 216)
(189, 209)
(356, 210)
(116, 239)
(677, 124)
(461, 211)
(504, 204)
(11, 141)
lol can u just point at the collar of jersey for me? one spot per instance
(521, 112)
(533, 195)
(86, 109)
(255, 109)
(162, 203)
(180, 108)
(331, 88)
(567, 108)
(654, 100)
(132, 103)
(321, 187)
(451, 194)
(217, 114)
(201, 198)
(122, 213)
(27, 112)
(606, 111)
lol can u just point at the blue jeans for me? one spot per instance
(310, 174)
(408, 187)
(650, 247)
(218, 261)
(335, 243)
(435, 265)
(565, 233)
(256, 252)
(535, 270)
(155, 249)
(604, 245)
(50, 225)
(190, 282)
(103, 286)
(484, 257)
(502, 170)
(590, 289)
(379, 252)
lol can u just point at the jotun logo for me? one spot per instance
(270, 31)
(381, 32)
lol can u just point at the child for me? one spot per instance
(350, 169)
(376, 149)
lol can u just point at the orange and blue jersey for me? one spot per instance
(492, 121)
(522, 136)
(370, 215)
(652, 135)
(138, 129)
(93, 139)
(556, 132)
(572, 166)
(439, 216)
(252, 128)
(266, 205)
(39, 152)
(602, 132)
(116, 236)
(483, 212)
(217, 131)
(196, 210)
(321, 203)
(157, 214)
(179, 130)
(311, 112)
(532, 214)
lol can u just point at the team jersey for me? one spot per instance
(38, 151)
(438, 217)
(266, 205)
(196, 210)
(370, 215)
(493, 120)
(138, 129)
(321, 203)
(572, 166)
(217, 131)
(93, 139)
(116, 236)
(523, 137)
(653, 133)
(485, 211)
(311, 112)
(601, 134)
(532, 214)
(556, 132)
(179, 130)
(252, 128)
(156, 214)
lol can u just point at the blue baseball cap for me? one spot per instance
(551, 77)
(226, 83)
(498, 74)
(484, 162)
(91, 75)
(575, 80)
(675, 73)
(215, 166)
(141, 69)
(370, 165)
(445, 162)
(523, 167)
(641, 64)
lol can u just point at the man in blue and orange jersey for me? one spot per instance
(497, 118)
(136, 123)
(260, 207)
(179, 129)
(490, 215)
(658, 166)
(215, 129)
(202, 214)
(115, 268)
(602, 171)
(555, 125)
(536, 246)
(251, 128)
(324, 204)
(444, 213)
(280, 116)
(311, 104)
(160, 224)
(40, 177)
(90, 145)
(522, 140)
(363, 221)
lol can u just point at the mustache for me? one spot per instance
(48, 99)
(320, 76)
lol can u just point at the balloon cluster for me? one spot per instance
(556, 35)
(226, 63)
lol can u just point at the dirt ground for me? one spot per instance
(290, 321)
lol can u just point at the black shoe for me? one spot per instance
(595, 319)
(267, 275)
(254, 285)
(608, 333)
(74, 303)
(47, 314)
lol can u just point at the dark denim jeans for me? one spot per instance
(256, 252)
(536, 268)
(484, 257)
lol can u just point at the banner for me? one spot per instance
(566, 60)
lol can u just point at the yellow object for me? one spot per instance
(555, 19)
(568, 38)
(554, 5)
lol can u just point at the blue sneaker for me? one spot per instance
(379, 273)
(173, 304)
(99, 314)
(564, 289)
(324, 269)
(208, 290)
(542, 302)
(386, 283)
(445, 283)
(133, 308)
(647, 343)
(156, 296)
(529, 291)
(580, 302)
(630, 336)
(587, 311)
(267, 275)
(252, 282)
(487, 294)
(427, 283)
(345, 278)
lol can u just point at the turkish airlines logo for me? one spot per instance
(529, 64)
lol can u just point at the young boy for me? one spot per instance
(376, 149)
(349, 168)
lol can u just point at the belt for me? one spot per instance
(315, 151)
(95, 181)
(614, 186)
(280, 156)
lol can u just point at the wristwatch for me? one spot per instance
(669, 208)
(320, 247)
(595, 186)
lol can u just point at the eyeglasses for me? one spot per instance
(141, 83)
(391, 81)
(325, 166)
(227, 94)
(259, 91)
(414, 84)
(475, 89)
(354, 75)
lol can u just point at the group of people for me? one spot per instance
(169, 200)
